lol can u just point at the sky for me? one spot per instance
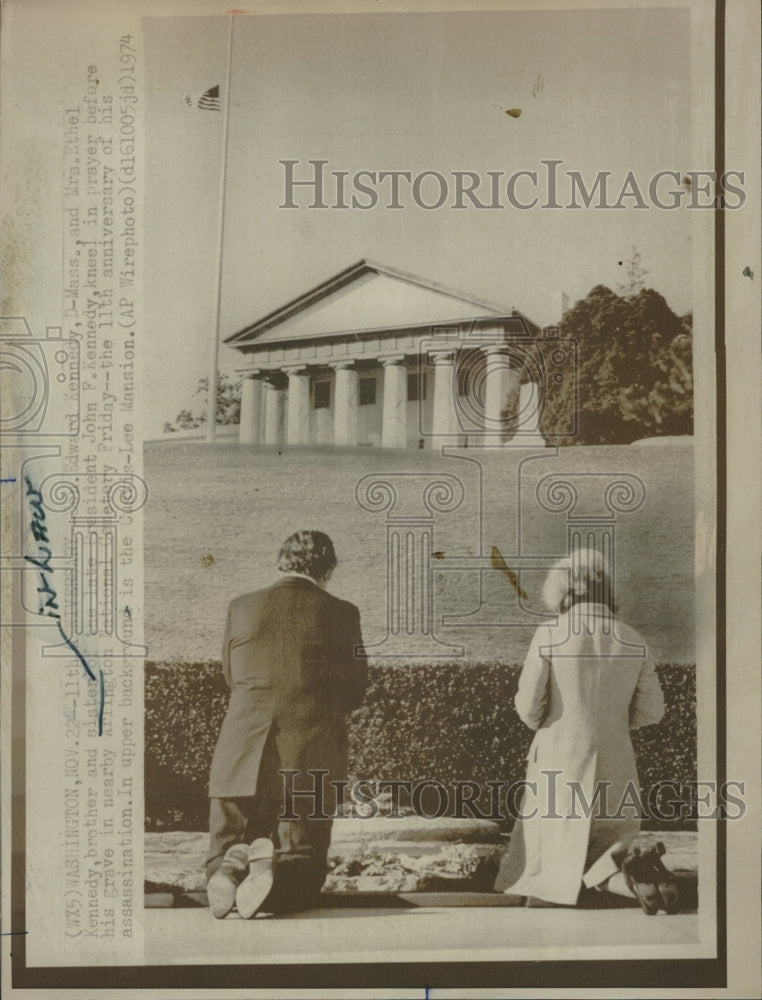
(598, 90)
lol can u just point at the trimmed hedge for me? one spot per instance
(442, 722)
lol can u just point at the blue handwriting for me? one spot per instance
(49, 607)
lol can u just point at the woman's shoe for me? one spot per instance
(665, 881)
(639, 875)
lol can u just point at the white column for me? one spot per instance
(394, 426)
(444, 420)
(273, 414)
(500, 380)
(250, 426)
(345, 405)
(298, 424)
(530, 407)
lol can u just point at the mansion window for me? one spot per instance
(416, 386)
(367, 391)
(322, 395)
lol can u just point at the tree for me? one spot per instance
(228, 405)
(636, 275)
(634, 370)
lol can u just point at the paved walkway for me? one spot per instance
(176, 859)
(439, 927)
(193, 936)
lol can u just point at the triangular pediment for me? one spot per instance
(364, 298)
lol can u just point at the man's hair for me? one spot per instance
(308, 552)
(584, 576)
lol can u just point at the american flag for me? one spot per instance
(208, 101)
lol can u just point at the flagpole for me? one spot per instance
(211, 412)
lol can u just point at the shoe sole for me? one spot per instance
(222, 885)
(649, 900)
(670, 897)
(252, 892)
(255, 888)
(221, 894)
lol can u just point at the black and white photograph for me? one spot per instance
(375, 535)
(483, 478)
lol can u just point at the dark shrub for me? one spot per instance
(441, 722)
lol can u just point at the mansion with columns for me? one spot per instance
(378, 357)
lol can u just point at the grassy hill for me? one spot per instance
(217, 514)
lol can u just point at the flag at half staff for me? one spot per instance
(208, 101)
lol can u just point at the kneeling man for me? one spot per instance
(293, 660)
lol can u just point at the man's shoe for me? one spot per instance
(222, 885)
(255, 888)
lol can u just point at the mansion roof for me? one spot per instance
(369, 297)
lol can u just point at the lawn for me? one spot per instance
(217, 514)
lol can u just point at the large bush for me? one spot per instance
(443, 722)
(634, 370)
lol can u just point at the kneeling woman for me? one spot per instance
(587, 681)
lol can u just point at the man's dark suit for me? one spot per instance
(289, 659)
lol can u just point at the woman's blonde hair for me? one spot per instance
(583, 576)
